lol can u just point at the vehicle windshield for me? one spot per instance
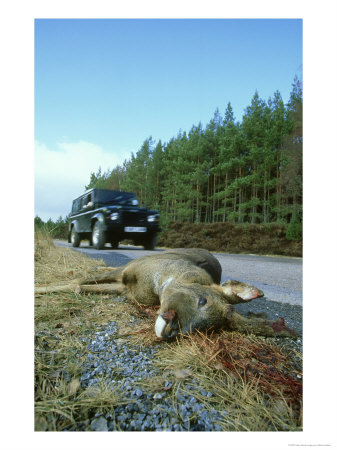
(115, 197)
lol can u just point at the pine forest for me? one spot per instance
(227, 171)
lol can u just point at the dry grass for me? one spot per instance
(61, 320)
(54, 264)
(249, 394)
(255, 385)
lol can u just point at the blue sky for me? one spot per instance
(102, 86)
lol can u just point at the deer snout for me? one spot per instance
(167, 325)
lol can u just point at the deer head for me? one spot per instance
(188, 307)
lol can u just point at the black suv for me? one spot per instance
(102, 215)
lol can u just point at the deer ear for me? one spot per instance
(238, 292)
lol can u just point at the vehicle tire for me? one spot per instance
(98, 236)
(114, 244)
(151, 242)
(75, 238)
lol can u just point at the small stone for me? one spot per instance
(182, 373)
(130, 407)
(281, 407)
(99, 424)
(132, 425)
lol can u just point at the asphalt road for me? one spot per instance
(280, 278)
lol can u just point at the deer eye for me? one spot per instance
(202, 301)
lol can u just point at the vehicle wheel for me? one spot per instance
(75, 238)
(151, 242)
(98, 236)
(114, 244)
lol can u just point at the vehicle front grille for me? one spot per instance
(134, 218)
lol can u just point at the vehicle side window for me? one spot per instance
(83, 202)
(76, 206)
(86, 202)
(89, 201)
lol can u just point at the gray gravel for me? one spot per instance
(123, 367)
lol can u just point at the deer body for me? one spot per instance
(147, 278)
(186, 285)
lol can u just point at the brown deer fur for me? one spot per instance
(185, 283)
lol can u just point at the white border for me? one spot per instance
(320, 75)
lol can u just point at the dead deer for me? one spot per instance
(186, 285)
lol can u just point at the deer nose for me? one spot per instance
(167, 325)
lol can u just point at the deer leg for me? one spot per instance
(94, 283)
(238, 292)
(262, 327)
(72, 287)
(112, 275)
(106, 288)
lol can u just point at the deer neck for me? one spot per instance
(161, 283)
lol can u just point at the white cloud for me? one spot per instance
(61, 174)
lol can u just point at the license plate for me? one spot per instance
(135, 229)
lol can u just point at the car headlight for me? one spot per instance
(153, 218)
(114, 216)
